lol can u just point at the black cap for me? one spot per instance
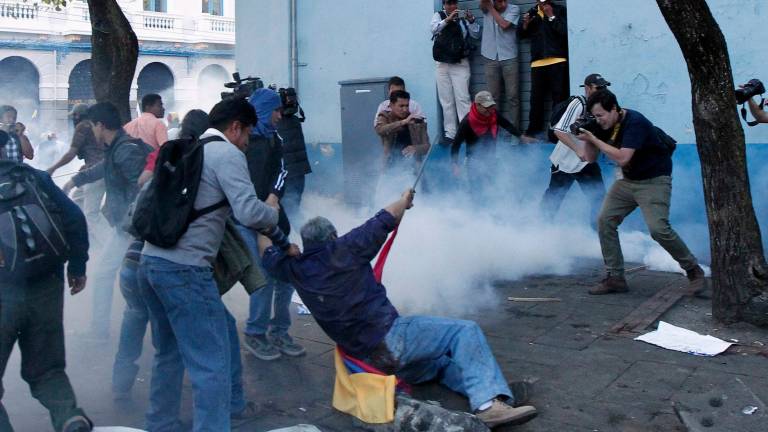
(595, 79)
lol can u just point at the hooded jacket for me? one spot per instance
(265, 152)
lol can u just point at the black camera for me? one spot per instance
(753, 88)
(289, 100)
(587, 123)
(241, 87)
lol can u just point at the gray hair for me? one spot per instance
(317, 230)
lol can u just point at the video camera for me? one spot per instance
(752, 88)
(242, 87)
(290, 103)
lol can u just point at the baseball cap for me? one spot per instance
(595, 79)
(78, 108)
(485, 99)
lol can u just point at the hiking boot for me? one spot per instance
(287, 346)
(500, 413)
(610, 285)
(77, 424)
(697, 283)
(261, 347)
(250, 412)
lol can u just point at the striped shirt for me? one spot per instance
(565, 159)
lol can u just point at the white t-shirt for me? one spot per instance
(413, 107)
(563, 157)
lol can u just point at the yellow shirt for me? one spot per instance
(549, 61)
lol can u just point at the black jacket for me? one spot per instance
(294, 147)
(267, 170)
(487, 142)
(548, 38)
(124, 161)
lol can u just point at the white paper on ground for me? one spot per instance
(298, 428)
(679, 339)
(115, 429)
(301, 308)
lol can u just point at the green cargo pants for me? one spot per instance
(653, 197)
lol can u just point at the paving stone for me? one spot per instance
(647, 382)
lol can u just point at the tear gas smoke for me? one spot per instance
(450, 249)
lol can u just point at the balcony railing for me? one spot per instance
(220, 25)
(19, 11)
(156, 21)
(75, 19)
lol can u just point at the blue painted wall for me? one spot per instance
(629, 42)
(339, 40)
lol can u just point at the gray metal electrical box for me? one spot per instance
(360, 145)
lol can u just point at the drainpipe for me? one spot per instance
(294, 47)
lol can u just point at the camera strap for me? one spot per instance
(744, 113)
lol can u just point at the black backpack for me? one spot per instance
(557, 113)
(668, 144)
(165, 208)
(449, 44)
(32, 241)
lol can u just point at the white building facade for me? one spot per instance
(186, 53)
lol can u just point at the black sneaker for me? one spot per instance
(286, 345)
(446, 141)
(77, 424)
(261, 347)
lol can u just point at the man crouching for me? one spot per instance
(335, 280)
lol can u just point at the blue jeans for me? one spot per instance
(102, 281)
(279, 293)
(453, 351)
(190, 328)
(135, 319)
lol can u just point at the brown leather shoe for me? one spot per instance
(610, 285)
(500, 413)
(697, 283)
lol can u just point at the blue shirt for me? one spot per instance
(336, 282)
(650, 159)
(497, 43)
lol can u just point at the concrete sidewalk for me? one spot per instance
(585, 377)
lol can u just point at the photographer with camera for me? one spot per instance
(639, 148)
(403, 133)
(573, 159)
(17, 147)
(547, 28)
(451, 29)
(294, 150)
(745, 93)
(266, 336)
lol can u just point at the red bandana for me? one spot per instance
(480, 123)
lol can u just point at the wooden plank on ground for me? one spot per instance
(650, 310)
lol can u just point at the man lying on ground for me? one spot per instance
(335, 280)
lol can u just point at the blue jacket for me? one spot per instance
(336, 282)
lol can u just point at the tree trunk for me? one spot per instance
(739, 273)
(115, 50)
